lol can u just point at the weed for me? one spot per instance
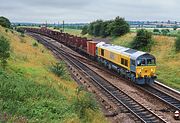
(6, 30)
(35, 44)
(84, 102)
(60, 70)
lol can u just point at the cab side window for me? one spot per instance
(102, 52)
(124, 62)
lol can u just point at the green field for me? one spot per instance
(31, 92)
(171, 32)
(168, 61)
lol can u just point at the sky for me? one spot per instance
(84, 11)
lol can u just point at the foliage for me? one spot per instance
(165, 31)
(33, 101)
(60, 70)
(95, 27)
(84, 30)
(21, 30)
(142, 41)
(4, 50)
(35, 44)
(177, 43)
(83, 102)
(116, 27)
(104, 32)
(156, 30)
(175, 27)
(5, 22)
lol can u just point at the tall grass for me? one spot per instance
(28, 89)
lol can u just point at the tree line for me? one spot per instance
(116, 27)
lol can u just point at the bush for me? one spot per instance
(177, 43)
(6, 30)
(165, 31)
(60, 70)
(4, 50)
(84, 102)
(35, 44)
(20, 30)
(5, 22)
(156, 30)
(142, 41)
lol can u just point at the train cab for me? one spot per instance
(145, 68)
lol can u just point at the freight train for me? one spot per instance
(137, 66)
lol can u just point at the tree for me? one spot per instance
(177, 43)
(4, 50)
(119, 27)
(165, 31)
(97, 27)
(104, 32)
(143, 40)
(156, 30)
(115, 27)
(5, 22)
(175, 27)
(84, 30)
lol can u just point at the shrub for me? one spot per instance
(60, 70)
(4, 50)
(165, 31)
(6, 30)
(20, 30)
(156, 30)
(84, 102)
(142, 41)
(177, 43)
(84, 30)
(35, 44)
(5, 22)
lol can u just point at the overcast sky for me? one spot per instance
(88, 10)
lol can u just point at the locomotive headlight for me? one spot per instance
(139, 74)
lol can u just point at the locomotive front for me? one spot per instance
(145, 69)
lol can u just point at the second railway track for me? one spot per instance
(139, 111)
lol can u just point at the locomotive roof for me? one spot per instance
(133, 54)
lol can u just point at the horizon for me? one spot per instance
(84, 11)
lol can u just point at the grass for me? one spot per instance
(172, 32)
(75, 32)
(31, 92)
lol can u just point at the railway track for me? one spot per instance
(168, 99)
(158, 90)
(139, 111)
